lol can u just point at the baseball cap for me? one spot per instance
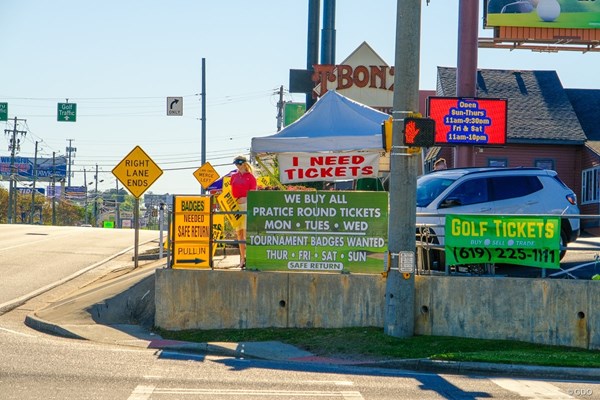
(240, 160)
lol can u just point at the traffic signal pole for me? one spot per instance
(400, 285)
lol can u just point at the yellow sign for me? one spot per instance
(218, 231)
(227, 202)
(137, 172)
(191, 232)
(206, 175)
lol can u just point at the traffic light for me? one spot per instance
(386, 133)
(419, 132)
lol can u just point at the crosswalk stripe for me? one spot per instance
(142, 392)
(531, 389)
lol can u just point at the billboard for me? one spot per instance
(543, 13)
(468, 121)
(45, 170)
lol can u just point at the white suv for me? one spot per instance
(495, 191)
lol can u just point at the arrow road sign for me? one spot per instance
(67, 112)
(175, 106)
(3, 111)
(192, 261)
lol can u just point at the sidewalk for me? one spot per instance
(118, 309)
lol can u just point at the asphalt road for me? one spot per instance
(33, 257)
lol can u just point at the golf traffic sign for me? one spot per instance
(137, 172)
(67, 112)
(3, 111)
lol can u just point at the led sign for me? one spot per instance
(468, 121)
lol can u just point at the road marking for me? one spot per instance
(17, 333)
(531, 389)
(141, 392)
(337, 383)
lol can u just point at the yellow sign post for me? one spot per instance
(137, 172)
(191, 238)
(206, 175)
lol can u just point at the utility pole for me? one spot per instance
(53, 188)
(280, 109)
(34, 177)
(203, 111)
(70, 150)
(96, 198)
(400, 284)
(312, 42)
(466, 67)
(85, 183)
(14, 147)
(203, 150)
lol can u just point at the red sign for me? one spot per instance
(468, 121)
(310, 167)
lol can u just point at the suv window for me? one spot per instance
(472, 191)
(429, 188)
(508, 187)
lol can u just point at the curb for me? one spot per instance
(45, 326)
(465, 368)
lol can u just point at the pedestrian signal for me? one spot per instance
(419, 132)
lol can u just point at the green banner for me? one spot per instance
(522, 240)
(317, 231)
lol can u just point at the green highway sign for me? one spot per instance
(3, 111)
(67, 112)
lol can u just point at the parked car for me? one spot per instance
(495, 191)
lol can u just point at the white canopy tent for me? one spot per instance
(334, 123)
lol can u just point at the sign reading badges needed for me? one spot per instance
(529, 241)
(191, 232)
(317, 231)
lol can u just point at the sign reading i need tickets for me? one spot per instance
(191, 232)
(137, 172)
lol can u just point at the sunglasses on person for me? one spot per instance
(239, 162)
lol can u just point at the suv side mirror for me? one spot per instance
(450, 202)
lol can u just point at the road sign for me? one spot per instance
(67, 112)
(206, 175)
(3, 111)
(191, 232)
(175, 106)
(137, 172)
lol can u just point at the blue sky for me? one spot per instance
(119, 60)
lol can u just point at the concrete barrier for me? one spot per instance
(191, 299)
(556, 312)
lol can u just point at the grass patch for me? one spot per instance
(373, 343)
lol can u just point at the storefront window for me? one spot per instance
(590, 192)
